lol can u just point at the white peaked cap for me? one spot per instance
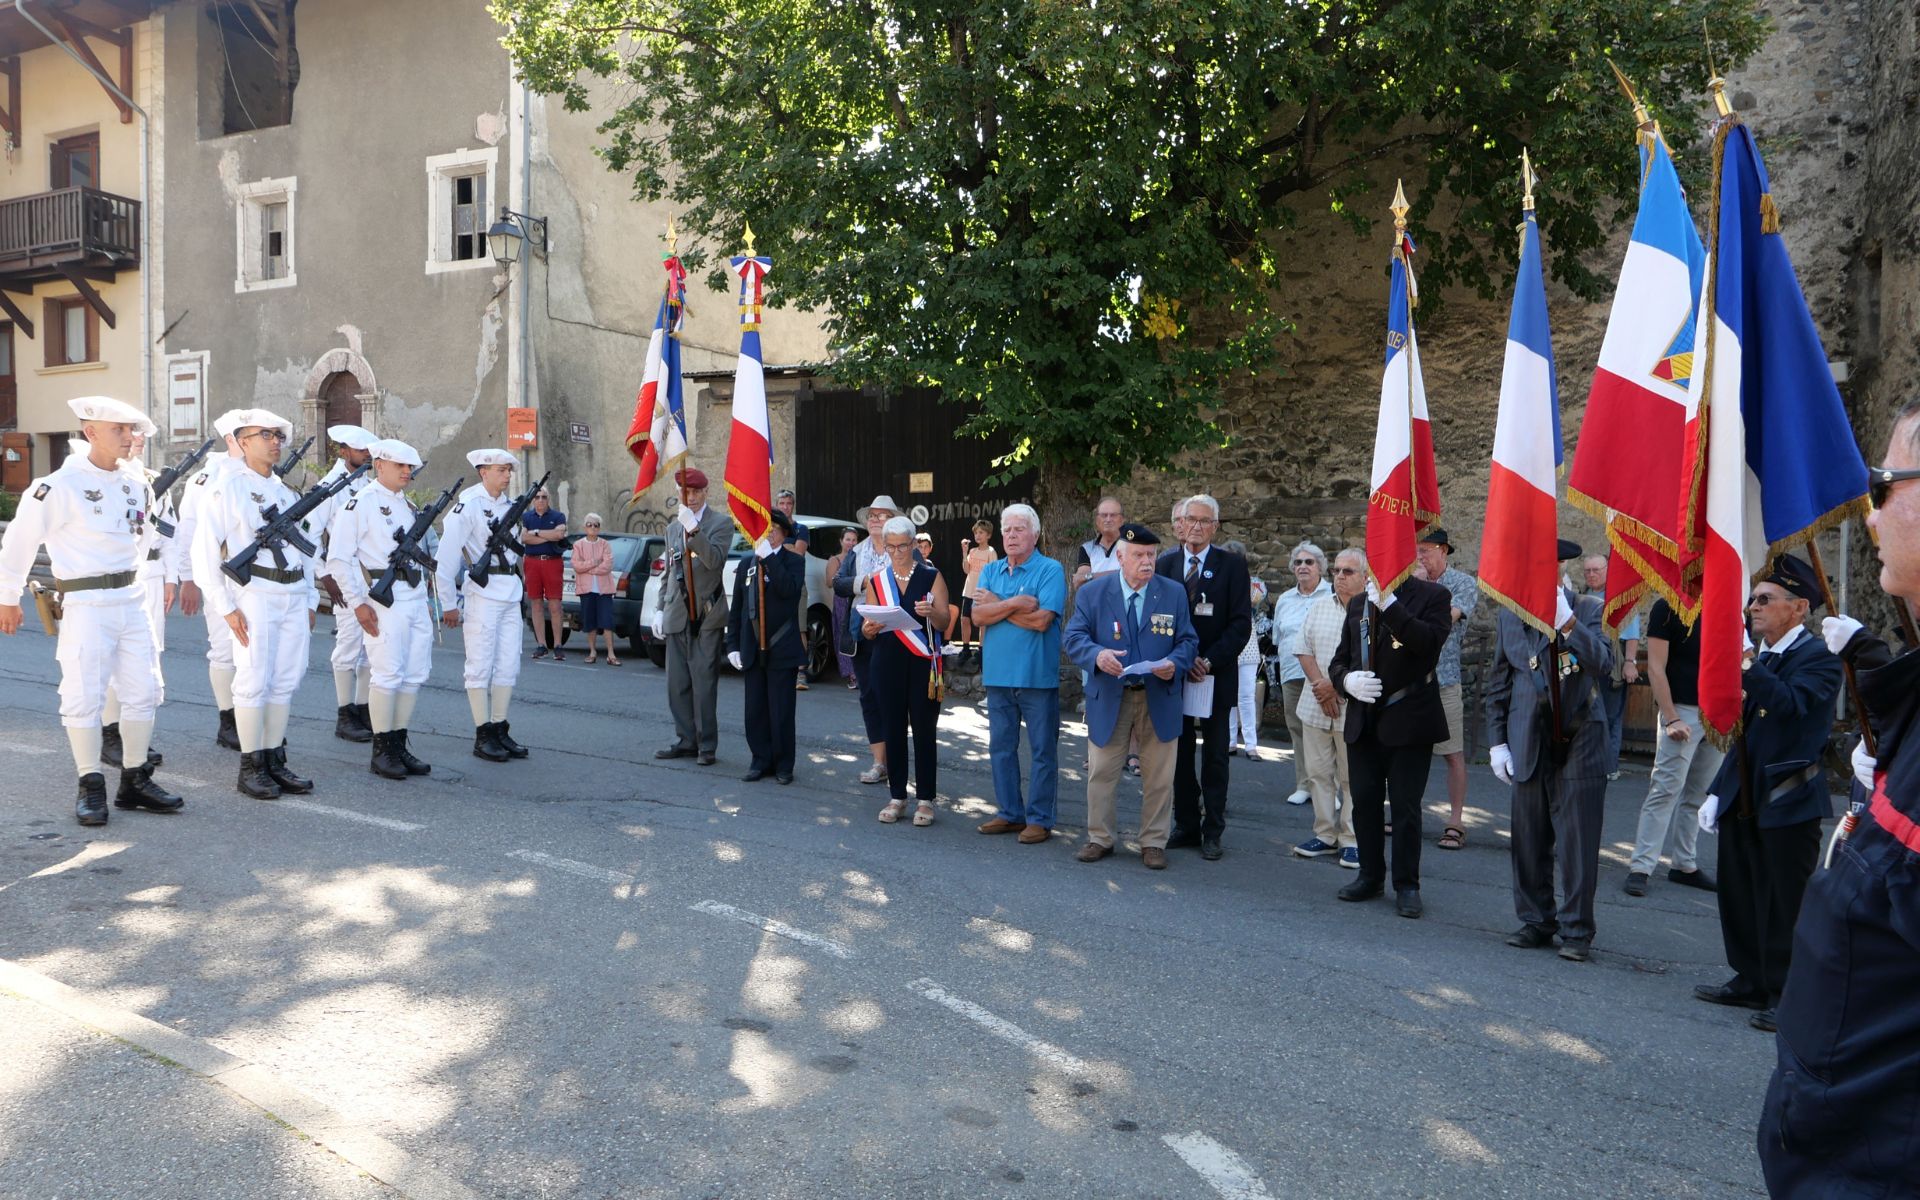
(245, 418)
(106, 408)
(492, 458)
(352, 436)
(228, 423)
(396, 451)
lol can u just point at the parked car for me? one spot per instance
(632, 555)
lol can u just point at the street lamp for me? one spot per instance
(510, 230)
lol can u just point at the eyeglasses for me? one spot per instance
(1306, 562)
(1880, 481)
(896, 547)
(1201, 520)
(1762, 599)
(1346, 570)
(278, 435)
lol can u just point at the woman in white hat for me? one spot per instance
(856, 568)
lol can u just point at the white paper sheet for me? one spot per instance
(888, 616)
(1199, 699)
(1144, 668)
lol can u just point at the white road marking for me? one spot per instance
(185, 781)
(1000, 1027)
(1224, 1171)
(572, 867)
(837, 949)
(32, 750)
(347, 814)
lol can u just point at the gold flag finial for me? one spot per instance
(1527, 179)
(1715, 84)
(673, 238)
(748, 238)
(1640, 113)
(1399, 207)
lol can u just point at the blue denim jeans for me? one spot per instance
(1039, 710)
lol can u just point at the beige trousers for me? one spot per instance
(1325, 771)
(1156, 776)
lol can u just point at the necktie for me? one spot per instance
(1133, 615)
(1366, 643)
(1193, 579)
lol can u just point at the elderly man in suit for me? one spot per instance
(1134, 618)
(1389, 650)
(1771, 793)
(691, 617)
(1547, 726)
(768, 652)
(1220, 605)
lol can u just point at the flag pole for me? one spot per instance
(1853, 685)
(1400, 208)
(759, 575)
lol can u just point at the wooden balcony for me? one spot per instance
(82, 235)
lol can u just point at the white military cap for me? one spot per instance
(106, 408)
(352, 436)
(396, 451)
(228, 423)
(243, 418)
(492, 458)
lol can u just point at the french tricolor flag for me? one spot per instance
(1404, 497)
(749, 476)
(1518, 546)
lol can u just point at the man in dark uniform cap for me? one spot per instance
(768, 669)
(1771, 793)
(1838, 1118)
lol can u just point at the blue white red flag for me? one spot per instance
(749, 476)
(657, 438)
(1770, 457)
(1404, 493)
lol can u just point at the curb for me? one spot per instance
(259, 1087)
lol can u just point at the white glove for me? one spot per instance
(1710, 815)
(1863, 764)
(761, 549)
(688, 521)
(1746, 642)
(1373, 593)
(1562, 611)
(1363, 686)
(656, 624)
(1838, 631)
(733, 660)
(1502, 764)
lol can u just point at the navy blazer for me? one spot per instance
(1404, 643)
(1226, 587)
(786, 578)
(1774, 770)
(1099, 623)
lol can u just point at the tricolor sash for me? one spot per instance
(921, 644)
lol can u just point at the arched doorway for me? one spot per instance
(339, 405)
(340, 389)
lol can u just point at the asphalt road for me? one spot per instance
(591, 975)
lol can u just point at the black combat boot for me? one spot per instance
(254, 779)
(486, 744)
(90, 807)
(138, 790)
(290, 783)
(347, 726)
(112, 749)
(414, 765)
(366, 719)
(229, 735)
(507, 743)
(386, 759)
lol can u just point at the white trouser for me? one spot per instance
(156, 606)
(402, 652)
(269, 667)
(493, 641)
(1243, 723)
(219, 641)
(105, 643)
(349, 641)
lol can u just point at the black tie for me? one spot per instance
(1133, 616)
(1193, 579)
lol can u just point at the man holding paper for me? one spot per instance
(1131, 633)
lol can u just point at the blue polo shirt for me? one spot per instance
(553, 520)
(1009, 655)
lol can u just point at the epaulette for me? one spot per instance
(351, 503)
(459, 506)
(40, 493)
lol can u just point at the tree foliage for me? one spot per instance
(1063, 213)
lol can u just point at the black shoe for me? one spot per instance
(229, 733)
(1183, 841)
(414, 765)
(254, 779)
(487, 745)
(1406, 902)
(1696, 878)
(540, 652)
(753, 776)
(1530, 937)
(1636, 883)
(674, 752)
(514, 749)
(364, 715)
(1576, 949)
(1210, 847)
(347, 726)
(291, 784)
(783, 777)
(111, 749)
(90, 804)
(1763, 1021)
(1361, 889)
(138, 790)
(706, 758)
(1733, 995)
(386, 761)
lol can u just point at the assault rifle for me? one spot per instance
(293, 460)
(164, 481)
(407, 548)
(283, 529)
(500, 537)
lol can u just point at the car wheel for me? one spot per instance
(819, 644)
(657, 653)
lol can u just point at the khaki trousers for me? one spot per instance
(1324, 752)
(1156, 776)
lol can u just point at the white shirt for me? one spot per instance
(193, 495)
(153, 558)
(360, 542)
(230, 517)
(463, 540)
(321, 519)
(92, 522)
(1188, 560)
(1787, 639)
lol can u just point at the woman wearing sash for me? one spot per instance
(903, 662)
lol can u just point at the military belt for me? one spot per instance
(1408, 690)
(275, 575)
(407, 575)
(92, 583)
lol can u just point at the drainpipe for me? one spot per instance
(526, 259)
(146, 214)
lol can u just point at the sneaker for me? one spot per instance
(1636, 884)
(1302, 796)
(1314, 848)
(1350, 858)
(1613, 775)
(539, 652)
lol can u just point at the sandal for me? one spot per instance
(892, 811)
(613, 662)
(1454, 838)
(923, 815)
(591, 660)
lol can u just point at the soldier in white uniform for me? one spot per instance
(490, 614)
(92, 518)
(360, 544)
(193, 498)
(159, 597)
(352, 676)
(270, 615)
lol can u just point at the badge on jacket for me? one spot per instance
(40, 493)
(1160, 624)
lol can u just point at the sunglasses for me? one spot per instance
(1762, 599)
(1880, 481)
(1346, 570)
(1305, 562)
